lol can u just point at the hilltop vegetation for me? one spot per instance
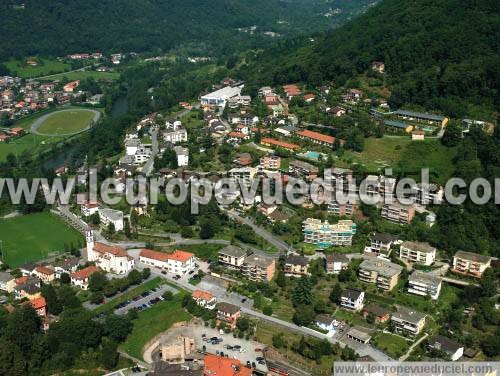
(58, 27)
(439, 54)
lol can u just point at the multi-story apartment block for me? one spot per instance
(296, 266)
(270, 162)
(426, 193)
(335, 262)
(424, 284)
(243, 174)
(418, 252)
(302, 170)
(341, 178)
(380, 244)
(470, 263)
(258, 268)
(352, 299)
(325, 235)
(232, 256)
(380, 185)
(384, 274)
(347, 209)
(398, 213)
(408, 321)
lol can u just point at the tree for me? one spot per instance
(243, 324)
(302, 293)
(126, 228)
(280, 278)
(65, 279)
(207, 229)
(168, 295)
(267, 310)
(109, 354)
(452, 134)
(97, 282)
(97, 297)
(491, 345)
(278, 341)
(336, 293)
(146, 272)
(304, 315)
(117, 327)
(111, 228)
(54, 306)
(187, 232)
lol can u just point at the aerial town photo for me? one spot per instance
(249, 187)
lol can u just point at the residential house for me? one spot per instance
(427, 193)
(204, 299)
(417, 252)
(81, 277)
(407, 320)
(258, 268)
(270, 162)
(89, 208)
(418, 135)
(111, 216)
(27, 287)
(352, 299)
(228, 313)
(352, 96)
(380, 314)
(40, 306)
(7, 282)
(278, 216)
(182, 155)
(286, 130)
(317, 138)
(111, 259)
(325, 235)
(28, 268)
(67, 266)
(232, 256)
(337, 111)
(296, 266)
(384, 274)
(398, 213)
(178, 262)
(175, 136)
(424, 284)
(326, 322)
(71, 86)
(450, 347)
(302, 170)
(469, 263)
(215, 365)
(378, 66)
(380, 244)
(335, 262)
(243, 159)
(45, 273)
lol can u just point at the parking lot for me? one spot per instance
(145, 300)
(245, 350)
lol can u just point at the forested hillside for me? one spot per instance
(57, 27)
(439, 54)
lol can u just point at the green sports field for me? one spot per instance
(33, 237)
(66, 122)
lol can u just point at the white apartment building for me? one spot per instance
(108, 258)
(380, 245)
(175, 136)
(243, 174)
(232, 256)
(178, 262)
(424, 284)
(182, 156)
(418, 252)
(325, 235)
(470, 263)
(108, 216)
(352, 299)
(407, 320)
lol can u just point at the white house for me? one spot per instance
(352, 299)
(204, 299)
(108, 258)
(417, 252)
(89, 208)
(423, 284)
(108, 216)
(175, 136)
(327, 322)
(81, 278)
(178, 262)
(182, 156)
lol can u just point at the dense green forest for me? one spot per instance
(439, 54)
(58, 27)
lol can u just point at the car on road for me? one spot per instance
(243, 300)
(236, 347)
(248, 364)
(191, 272)
(228, 347)
(164, 272)
(262, 362)
(254, 365)
(259, 358)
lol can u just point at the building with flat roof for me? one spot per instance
(220, 97)
(384, 274)
(358, 335)
(302, 170)
(417, 252)
(325, 235)
(424, 284)
(232, 256)
(258, 268)
(398, 213)
(407, 320)
(469, 263)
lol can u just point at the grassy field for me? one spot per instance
(33, 143)
(33, 237)
(107, 307)
(391, 344)
(152, 322)
(44, 67)
(82, 75)
(66, 122)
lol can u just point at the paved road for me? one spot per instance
(263, 233)
(149, 165)
(38, 122)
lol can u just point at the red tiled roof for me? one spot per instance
(272, 141)
(104, 248)
(177, 255)
(38, 303)
(181, 256)
(204, 295)
(219, 366)
(316, 136)
(85, 273)
(237, 134)
(44, 270)
(21, 280)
